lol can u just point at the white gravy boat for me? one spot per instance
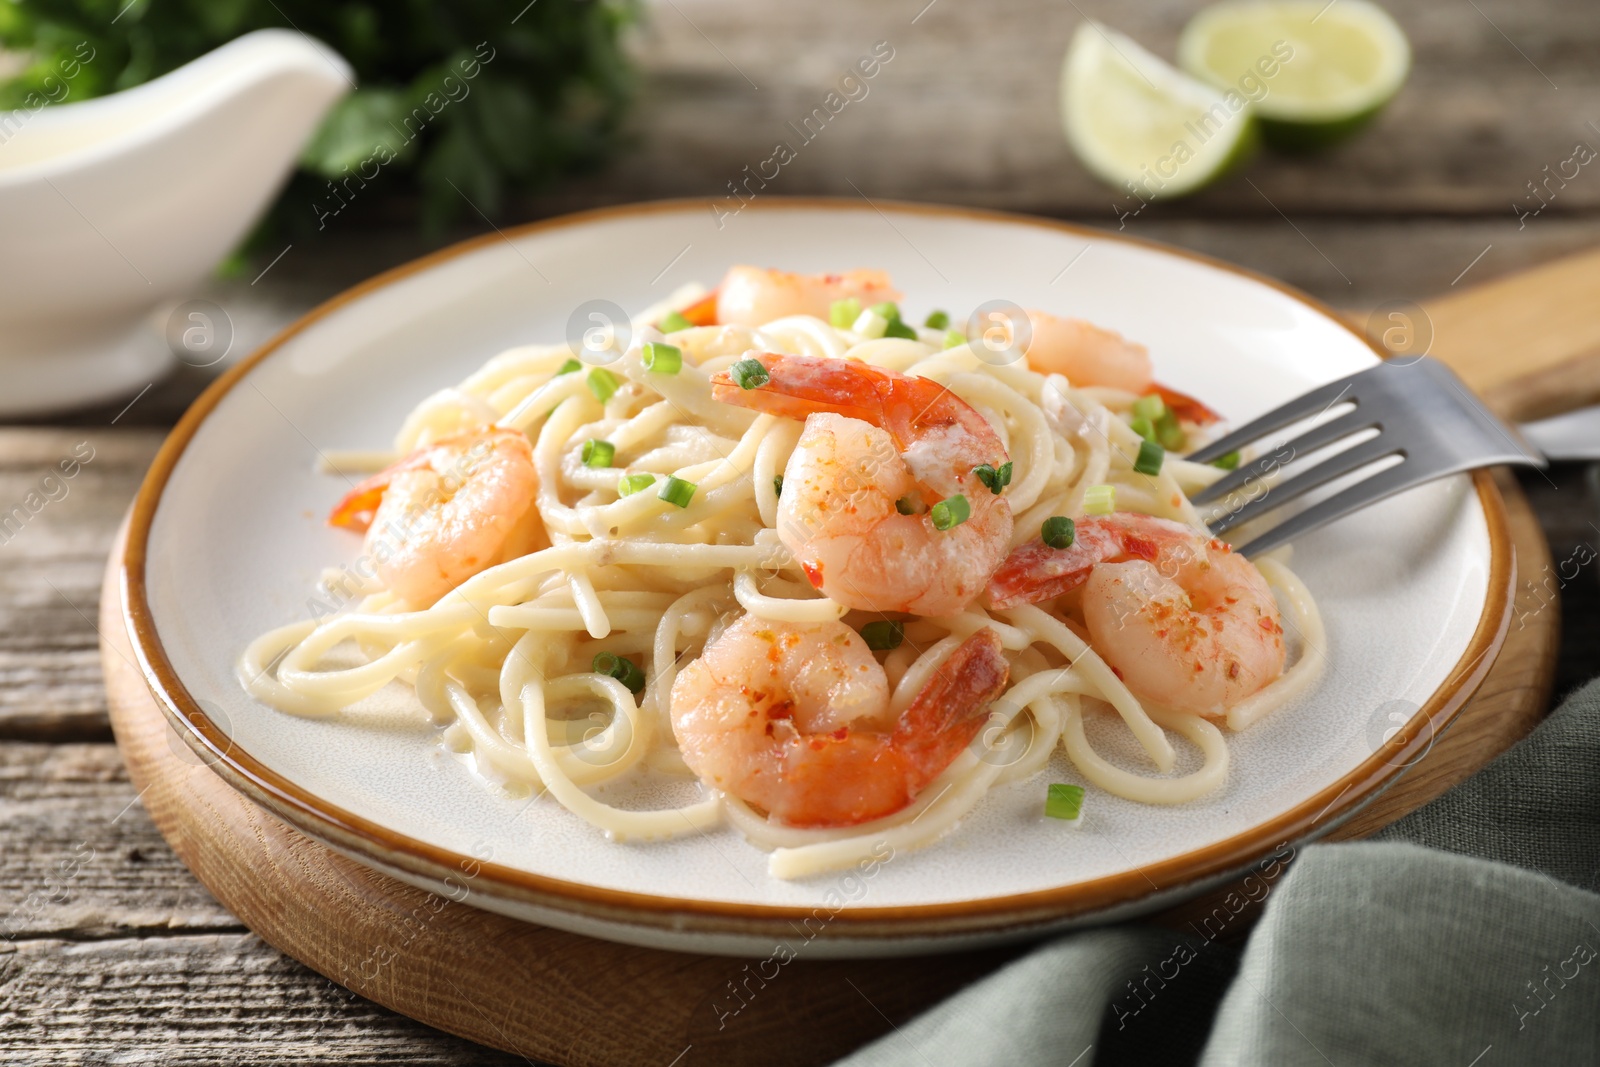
(112, 206)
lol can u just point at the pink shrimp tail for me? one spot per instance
(906, 406)
(951, 709)
(702, 312)
(1034, 571)
(356, 510)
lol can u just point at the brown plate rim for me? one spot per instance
(385, 848)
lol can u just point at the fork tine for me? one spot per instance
(1424, 415)
(1384, 484)
(1246, 474)
(1316, 437)
(1319, 399)
(1351, 459)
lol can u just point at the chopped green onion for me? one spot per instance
(662, 358)
(1228, 462)
(936, 320)
(568, 367)
(870, 324)
(629, 484)
(896, 328)
(1143, 427)
(749, 374)
(1151, 407)
(621, 668)
(1064, 802)
(883, 636)
(908, 505)
(995, 479)
(1100, 499)
(954, 338)
(951, 512)
(677, 491)
(1169, 434)
(1058, 531)
(777, 485)
(842, 313)
(888, 310)
(673, 323)
(603, 384)
(1151, 456)
(597, 453)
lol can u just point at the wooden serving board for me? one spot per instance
(570, 1000)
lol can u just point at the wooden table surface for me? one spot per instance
(112, 952)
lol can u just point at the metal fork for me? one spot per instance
(1422, 412)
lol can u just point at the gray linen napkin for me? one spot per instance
(1466, 934)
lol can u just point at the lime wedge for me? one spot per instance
(1315, 71)
(1143, 126)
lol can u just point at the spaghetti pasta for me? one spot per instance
(507, 657)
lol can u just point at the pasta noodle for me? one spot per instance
(504, 659)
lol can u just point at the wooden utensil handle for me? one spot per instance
(1528, 343)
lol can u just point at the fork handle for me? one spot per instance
(1528, 343)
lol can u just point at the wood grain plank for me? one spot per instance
(1353, 263)
(55, 532)
(200, 999)
(966, 110)
(79, 855)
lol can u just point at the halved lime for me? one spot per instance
(1314, 70)
(1142, 125)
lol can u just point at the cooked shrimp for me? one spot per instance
(794, 719)
(751, 296)
(1087, 354)
(1183, 620)
(446, 512)
(879, 451)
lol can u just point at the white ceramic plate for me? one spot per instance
(227, 541)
